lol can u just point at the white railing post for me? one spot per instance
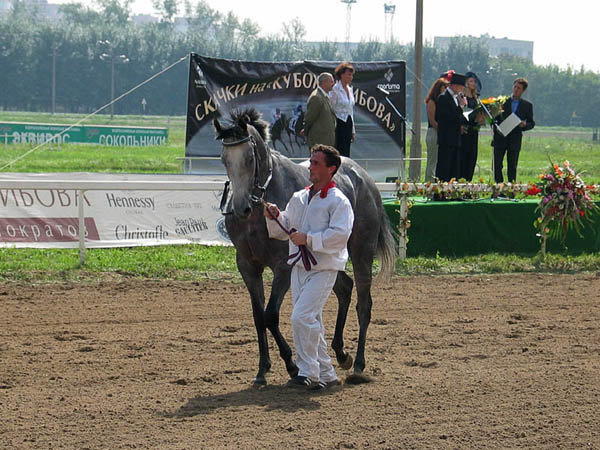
(81, 228)
(402, 226)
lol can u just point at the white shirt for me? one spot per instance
(326, 221)
(454, 96)
(343, 105)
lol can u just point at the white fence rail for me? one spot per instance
(187, 183)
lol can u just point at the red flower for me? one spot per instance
(533, 190)
(582, 213)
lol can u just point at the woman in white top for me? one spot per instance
(342, 99)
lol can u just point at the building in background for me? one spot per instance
(497, 47)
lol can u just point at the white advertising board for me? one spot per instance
(47, 218)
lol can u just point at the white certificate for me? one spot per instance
(509, 124)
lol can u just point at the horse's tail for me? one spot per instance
(386, 247)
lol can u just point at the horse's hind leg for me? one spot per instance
(343, 291)
(363, 279)
(281, 284)
(253, 279)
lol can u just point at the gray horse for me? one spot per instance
(258, 173)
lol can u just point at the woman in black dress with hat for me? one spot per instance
(470, 138)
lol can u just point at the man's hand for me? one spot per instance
(522, 124)
(270, 211)
(353, 137)
(302, 132)
(298, 238)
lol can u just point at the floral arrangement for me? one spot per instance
(566, 203)
(494, 105)
(460, 189)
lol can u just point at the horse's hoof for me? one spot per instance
(259, 381)
(358, 378)
(347, 364)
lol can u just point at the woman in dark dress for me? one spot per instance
(470, 138)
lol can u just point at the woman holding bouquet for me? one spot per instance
(470, 137)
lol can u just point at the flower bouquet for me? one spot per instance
(493, 106)
(566, 203)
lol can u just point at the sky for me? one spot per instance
(563, 33)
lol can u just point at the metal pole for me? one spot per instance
(53, 80)
(112, 82)
(414, 167)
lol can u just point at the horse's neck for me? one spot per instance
(288, 177)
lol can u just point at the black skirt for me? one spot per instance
(343, 136)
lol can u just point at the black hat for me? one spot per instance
(477, 81)
(458, 78)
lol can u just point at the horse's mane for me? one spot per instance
(237, 120)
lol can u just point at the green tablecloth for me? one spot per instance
(461, 228)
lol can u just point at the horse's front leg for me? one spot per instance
(252, 277)
(281, 284)
(343, 291)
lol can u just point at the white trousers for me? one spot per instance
(310, 291)
(432, 154)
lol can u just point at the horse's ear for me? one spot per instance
(218, 128)
(243, 121)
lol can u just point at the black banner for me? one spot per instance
(280, 91)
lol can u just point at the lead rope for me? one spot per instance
(303, 253)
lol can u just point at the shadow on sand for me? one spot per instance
(279, 398)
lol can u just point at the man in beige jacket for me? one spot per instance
(319, 121)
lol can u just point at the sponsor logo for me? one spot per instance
(123, 233)
(183, 227)
(179, 205)
(222, 229)
(391, 87)
(115, 201)
(389, 75)
(48, 229)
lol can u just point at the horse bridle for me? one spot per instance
(258, 189)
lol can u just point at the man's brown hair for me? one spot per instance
(332, 156)
(523, 82)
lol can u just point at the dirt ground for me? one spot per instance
(457, 362)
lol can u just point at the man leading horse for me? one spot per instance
(320, 218)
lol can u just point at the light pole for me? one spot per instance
(54, 79)
(414, 167)
(113, 58)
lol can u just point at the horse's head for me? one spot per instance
(246, 158)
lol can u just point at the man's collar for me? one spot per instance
(323, 91)
(325, 189)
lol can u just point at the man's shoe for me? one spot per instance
(323, 385)
(299, 382)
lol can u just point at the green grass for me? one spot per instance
(196, 262)
(541, 145)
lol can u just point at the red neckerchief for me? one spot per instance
(325, 189)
